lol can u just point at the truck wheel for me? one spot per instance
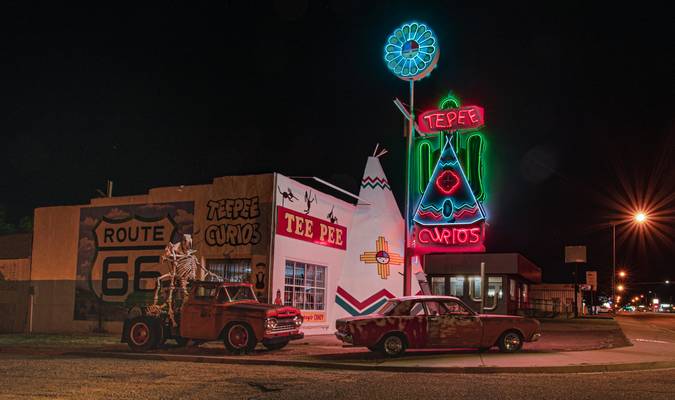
(510, 342)
(145, 333)
(239, 338)
(275, 346)
(392, 345)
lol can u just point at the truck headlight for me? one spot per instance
(270, 323)
(297, 320)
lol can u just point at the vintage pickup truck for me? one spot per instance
(434, 322)
(218, 311)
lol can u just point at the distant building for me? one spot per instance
(509, 278)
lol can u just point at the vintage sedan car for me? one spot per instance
(218, 311)
(419, 322)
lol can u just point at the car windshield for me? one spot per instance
(387, 307)
(238, 293)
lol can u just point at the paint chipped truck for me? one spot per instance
(419, 322)
(217, 311)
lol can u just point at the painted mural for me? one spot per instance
(118, 259)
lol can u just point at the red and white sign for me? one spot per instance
(310, 229)
(468, 117)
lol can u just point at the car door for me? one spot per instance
(408, 317)
(450, 324)
(197, 319)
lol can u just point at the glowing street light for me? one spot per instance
(640, 217)
(619, 288)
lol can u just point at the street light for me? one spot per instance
(619, 288)
(622, 274)
(640, 218)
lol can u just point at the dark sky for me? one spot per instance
(578, 100)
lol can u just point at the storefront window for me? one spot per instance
(438, 285)
(512, 289)
(231, 270)
(305, 286)
(495, 287)
(457, 286)
(475, 292)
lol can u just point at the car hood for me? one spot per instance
(272, 310)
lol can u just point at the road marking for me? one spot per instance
(651, 341)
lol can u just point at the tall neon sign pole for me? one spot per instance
(411, 53)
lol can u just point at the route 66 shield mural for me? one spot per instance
(119, 255)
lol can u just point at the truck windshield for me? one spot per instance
(238, 293)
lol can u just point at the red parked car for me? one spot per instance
(419, 322)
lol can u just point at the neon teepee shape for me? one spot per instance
(448, 198)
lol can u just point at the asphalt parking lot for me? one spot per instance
(48, 377)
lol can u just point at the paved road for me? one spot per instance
(23, 377)
(649, 327)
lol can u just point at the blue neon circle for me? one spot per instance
(411, 51)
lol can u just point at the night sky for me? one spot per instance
(578, 100)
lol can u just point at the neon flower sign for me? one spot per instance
(468, 117)
(411, 52)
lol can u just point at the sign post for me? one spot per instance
(592, 281)
(575, 255)
(411, 53)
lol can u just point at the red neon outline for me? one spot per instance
(433, 214)
(442, 239)
(452, 119)
(453, 188)
(470, 211)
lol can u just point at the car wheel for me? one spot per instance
(239, 338)
(392, 345)
(275, 346)
(510, 342)
(144, 333)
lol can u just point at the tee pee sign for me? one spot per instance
(448, 218)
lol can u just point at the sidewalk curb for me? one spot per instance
(585, 368)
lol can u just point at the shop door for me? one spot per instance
(450, 325)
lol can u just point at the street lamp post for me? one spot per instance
(613, 258)
(640, 218)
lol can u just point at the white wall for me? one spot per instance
(288, 248)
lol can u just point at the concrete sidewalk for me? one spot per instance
(325, 352)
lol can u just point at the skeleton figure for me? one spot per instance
(183, 267)
(309, 200)
(287, 195)
(333, 219)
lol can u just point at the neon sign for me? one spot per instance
(411, 52)
(468, 117)
(471, 148)
(448, 216)
(450, 238)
